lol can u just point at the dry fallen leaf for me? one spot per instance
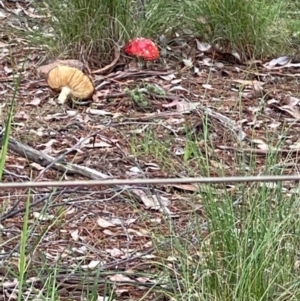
(248, 82)
(260, 144)
(37, 166)
(47, 147)
(290, 105)
(98, 112)
(92, 265)
(75, 235)
(101, 298)
(114, 252)
(207, 86)
(152, 201)
(188, 62)
(43, 216)
(44, 69)
(281, 61)
(186, 107)
(56, 116)
(2, 45)
(182, 106)
(35, 102)
(120, 278)
(187, 187)
(140, 233)
(21, 116)
(178, 87)
(203, 47)
(168, 77)
(295, 146)
(104, 223)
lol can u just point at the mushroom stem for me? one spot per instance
(65, 92)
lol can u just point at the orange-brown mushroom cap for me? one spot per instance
(142, 47)
(70, 81)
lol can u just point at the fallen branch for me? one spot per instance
(112, 64)
(58, 164)
(45, 160)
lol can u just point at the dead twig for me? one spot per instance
(61, 157)
(112, 64)
(56, 163)
(155, 181)
(260, 151)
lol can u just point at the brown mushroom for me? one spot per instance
(70, 81)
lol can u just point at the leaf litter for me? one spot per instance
(115, 136)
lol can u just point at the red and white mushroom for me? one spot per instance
(142, 47)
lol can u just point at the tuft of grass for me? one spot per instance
(252, 27)
(290, 15)
(240, 246)
(238, 250)
(162, 17)
(89, 26)
(7, 130)
(94, 27)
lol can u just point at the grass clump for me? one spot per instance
(239, 244)
(96, 26)
(252, 27)
(244, 250)
(91, 26)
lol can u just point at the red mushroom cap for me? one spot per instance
(142, 47)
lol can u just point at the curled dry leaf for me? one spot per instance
(21, 116)
(207, 86)
(35, 102)
(140, 233)
(101, 298)
(206, 61)
(43, 70)
(186, 187)
(2, 16)
(188, 63)
(187, 107)
(75, 234)
(152, 201)
(203, 47)
(104, 223)
(115, 252)
(43, 216)
(290, 105)
(253, 89)
(143, 279)
(120, 278)
(98, 112)
(260, 144)
(36, 166)
(168, 77)
(295, 146)
(280, 61)
(182, 106)
(97, 145)
(56, 116)
(248, 82)
(92, 265)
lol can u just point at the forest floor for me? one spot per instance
(208, 115)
